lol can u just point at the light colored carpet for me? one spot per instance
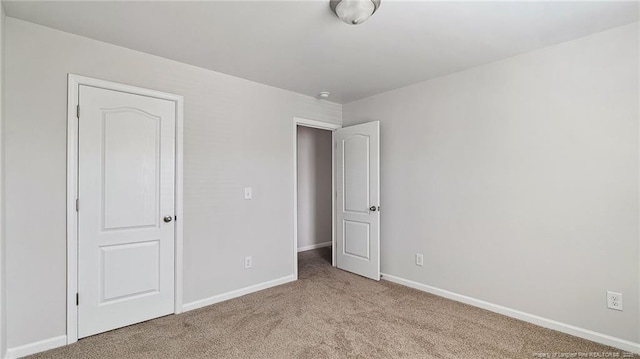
(329, 313)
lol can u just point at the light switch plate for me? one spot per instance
(247, 193)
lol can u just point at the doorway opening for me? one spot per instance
(355, 197)
(313, 190)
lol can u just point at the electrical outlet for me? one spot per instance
(248, 262)
(614, 300)
(419, 259)
(247, 193)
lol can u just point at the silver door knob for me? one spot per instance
(167, 219)
(372, 208)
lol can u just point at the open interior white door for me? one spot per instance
(358, 199)
(126, 169)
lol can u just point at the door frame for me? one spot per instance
(74, 82)
(298, 121)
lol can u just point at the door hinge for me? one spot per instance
(78, 111)
(77, 299)
(77, 205)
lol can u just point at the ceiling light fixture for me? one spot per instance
(324, 94)
(354, 12)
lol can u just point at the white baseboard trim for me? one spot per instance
(314, 246)
(36, 347)
(236, 293)
(605, 339)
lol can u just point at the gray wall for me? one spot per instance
(518, 181)
(237, 134)
(314, 186)
(3, 292)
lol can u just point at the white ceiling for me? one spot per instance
(301, 46)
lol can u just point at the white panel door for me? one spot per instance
(358, 199)
(126, 174)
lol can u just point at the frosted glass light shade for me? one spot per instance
(354, 12)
